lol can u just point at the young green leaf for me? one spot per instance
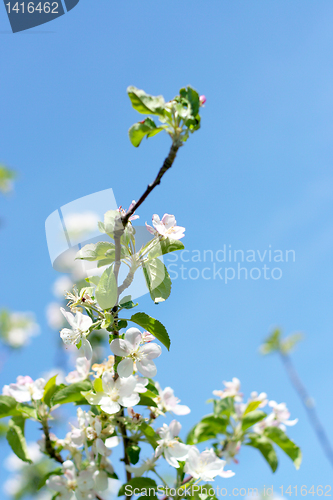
(16, 439)
(95, 251)
(70, 393)
(106, 292)
(145, 103)
(7, 406)
(146, 128)
(252, 418)
(280, 438)
(133, 453)
(153, 326)
(264, 445)
(209, 427)
(272, 343)
(157, 279)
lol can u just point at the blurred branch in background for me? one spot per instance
(275, 344)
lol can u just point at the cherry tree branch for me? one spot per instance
(165, 167)
(48, 443)
(309, 406)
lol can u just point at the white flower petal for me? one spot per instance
(125, 367)
(152, 350)
(120, 347)
(147, 368)
(133, 338)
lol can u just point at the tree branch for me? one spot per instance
(311, 411)
(48, 443)
(166, 165)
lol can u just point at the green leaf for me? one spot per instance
(147, 399)
(272, 343)
(3, 429)
(224, 406)
(133, 453)
(6, 178)
(140, 483)
(27, 411)
(252, 418)
(71, 393)
(149, 433)
(164, 246)
(7, 406)
(157, 279)
(280, 438)
(49, 390)
(251, 407)
(193, 98)
(288, 344)
(93, 279)
(264, 445)
(146, 128)
(208, 428)
(127, 302)
(106, 292)
(16, 439)
(95, 251)
(145, 103)
(153, 326)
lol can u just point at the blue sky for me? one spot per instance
(258, 173)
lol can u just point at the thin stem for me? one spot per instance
(166, 165)
(310, 409)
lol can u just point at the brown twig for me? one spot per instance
(48, 443)
(166, 165)
(310, 409)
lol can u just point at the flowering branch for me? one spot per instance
(48, 443)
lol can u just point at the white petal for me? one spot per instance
(175, 428)
(129, 400)
(151, 350)
(169, 220)
(69, 317)
(69, 336)
(108, 382)
(181, 410)
(101, 480)
(111, 408)
(120, 347)
(133, 338)
(87, 349)
(112, 442)
(147, 368)
(125, 367)
(126, 386)
(83, 322)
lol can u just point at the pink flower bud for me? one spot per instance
(202, 100)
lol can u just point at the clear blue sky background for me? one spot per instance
(258, 173)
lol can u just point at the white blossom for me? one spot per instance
(167, 401)
(131, 349)
(81, 372)
(25, 389)
(115, 394)
(80, 325)
(205, 465)
(144, 467)
(166, 227)
(21, 327)
(278, 418)
(169, 444)
(232, 389)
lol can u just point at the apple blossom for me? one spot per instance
(205, 465)
(123, 212)
(144, 467)
(232, 389)
(167, 401)
(166, 227)
(130, 348)
(121, 392)
(25, 389)
(105, 366)
(169, 444)
(80, 325)
(202, 100)
(81, 372)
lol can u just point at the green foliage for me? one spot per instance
(49, 390)
(106, 292)
(289, 343)
(264, 445)
(6, 178)
(71, 393)
(149, 433)
(133, 453)
(16, 439)
(146, 128)
(157, 279)
(145, 103)
(272, 343)
(153, 326)
(7, 406)
(147, 399)
(95, 251)
(224, 406)
(252, 418)
(208, 428)
(280, 438)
